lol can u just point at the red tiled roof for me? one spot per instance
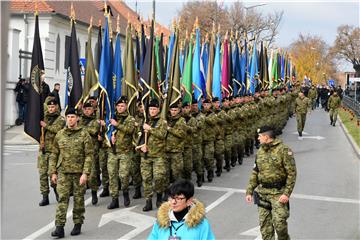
(29, 6)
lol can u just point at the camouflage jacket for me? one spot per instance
(334, 102)
(90, 124)
(176, 134)
(156, 137)
(72, 152)
(54, 123)
(197, 135)
(274, 164)
(302, 105)
(209, 126)
(312, 93)
(229, 121)
(124, 133)
(220, 124)
(190, 128)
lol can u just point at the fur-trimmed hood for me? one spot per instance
(195, 215)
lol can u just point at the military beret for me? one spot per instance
(224, 99)
(52, 102)
(194, 101)
(231, 98)
(215, 99)
(265, 129)
(71, 111)
(174, 105)
(207, 101)
(92, 98)
(186, 104)
(87, 104)
(122, 99)
(154, 103)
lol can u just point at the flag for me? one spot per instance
(159, 54)
(253, 72)
(35, 104)
(236, 70)
(106, 81)
(168, 62)
(187, 76)
(98, 49)
(244, 68)
(216, 84)
(117, 69)
(196, 73)
(91, 76)
(175, 76)
(205, 57)
(225, 70)
(73, 81)
(143, 46)
(138, 57)
(209, 74)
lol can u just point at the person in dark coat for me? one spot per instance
(56, 94)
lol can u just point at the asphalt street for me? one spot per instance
(324, 205)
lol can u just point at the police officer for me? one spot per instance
(271, 184)
(302, 105)
(70, 165)
(119, 164)
(52, 123)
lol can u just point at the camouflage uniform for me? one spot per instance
(312, 96)
(197, 151)
(90, 124)
(228, 129)
(219, 144)
(54, 123)
(208, 143)
(103, 162)
(135, 164)
(153, 164)
(72, 155)
(273, 175)
(188, 146)
(334, 103)
(119, 163)
(301, 107)
(175, 146)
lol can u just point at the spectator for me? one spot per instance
(56, 94)
(21, 90)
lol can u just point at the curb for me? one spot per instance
(350, 138)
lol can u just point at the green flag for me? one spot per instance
(91, 77)
(187, 75)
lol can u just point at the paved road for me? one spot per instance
(325, 203)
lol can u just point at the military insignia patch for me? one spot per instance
(35, 79)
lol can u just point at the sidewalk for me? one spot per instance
(16, 136)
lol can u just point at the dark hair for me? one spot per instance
(56, 84)
(182, 186)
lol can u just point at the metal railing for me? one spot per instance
(350, 102)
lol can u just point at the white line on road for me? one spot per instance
(219, 200)
(295, 195)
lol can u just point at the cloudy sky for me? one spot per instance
(308, 17)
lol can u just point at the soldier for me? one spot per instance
(70, 165)
(89, 122)
(153, 164)
(197, 139)
(302, 104)
(312, 96)
(219, 145)
(120, 160)
(334, 103)
(175, 142)
(271, 184)
(209, 139)
(228, 129)
(52, 123)
(188, 146)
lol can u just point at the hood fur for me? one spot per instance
(195, 215)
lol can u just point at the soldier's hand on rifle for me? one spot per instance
(113, 139)
(146, 127)
(42, 123)
(102, 122)
(113, 122)
(100, 138)
(83, 179)
(144, 149)
(54, 178)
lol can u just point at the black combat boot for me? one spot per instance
(159, 199)
(94, 199)
(199, 180)
(148, 205)
(114, 203)
(210, 175)
(251, 147)
(105, 192)
(56, 194)
(76, 230)
(240, 157)
(227, 165)
(218, 171)
(59, 232)
(126, 198)
(44, 201)
(300, 134)
(137, 194)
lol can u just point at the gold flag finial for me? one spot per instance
(128, 17)
(105, 8)
(36, 8)
(91, 23)
(174, 24)
(118, 24)
(72, 12)
(236, 35)
(213, 28)
(197, 22)
(219, 28)
(99, 23)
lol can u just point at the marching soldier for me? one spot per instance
(219, 145)
(52, 123)
(153, 163)
(188, 146)
(302, 105)
(228, 129)
(334, 103)
(89, 122)
(120, 160)
(70, 165)
(271, 184)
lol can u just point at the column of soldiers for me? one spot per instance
(206, 137)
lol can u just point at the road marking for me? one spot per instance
(314, 137)
(219, 200)
(295, 195)
(254, 232)
(52, 224)
(304, 133)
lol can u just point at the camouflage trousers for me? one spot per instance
(300, 119)
(274, 219)
(154, 175)
(67, 183)
(95, 171)
(197, 156)
(119, 168)
(43, 167)
(103, 161)
(188, 162)
(228, 146)
(135, 170)
(333, 114)
(219, 150)
(208, 155)
(175, 165)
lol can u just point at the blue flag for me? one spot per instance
(117, 69)
(196, 72)
(216, 85)
(253, 72)
(168, 65)
(236, 70)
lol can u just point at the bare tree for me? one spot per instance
(347, 46)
